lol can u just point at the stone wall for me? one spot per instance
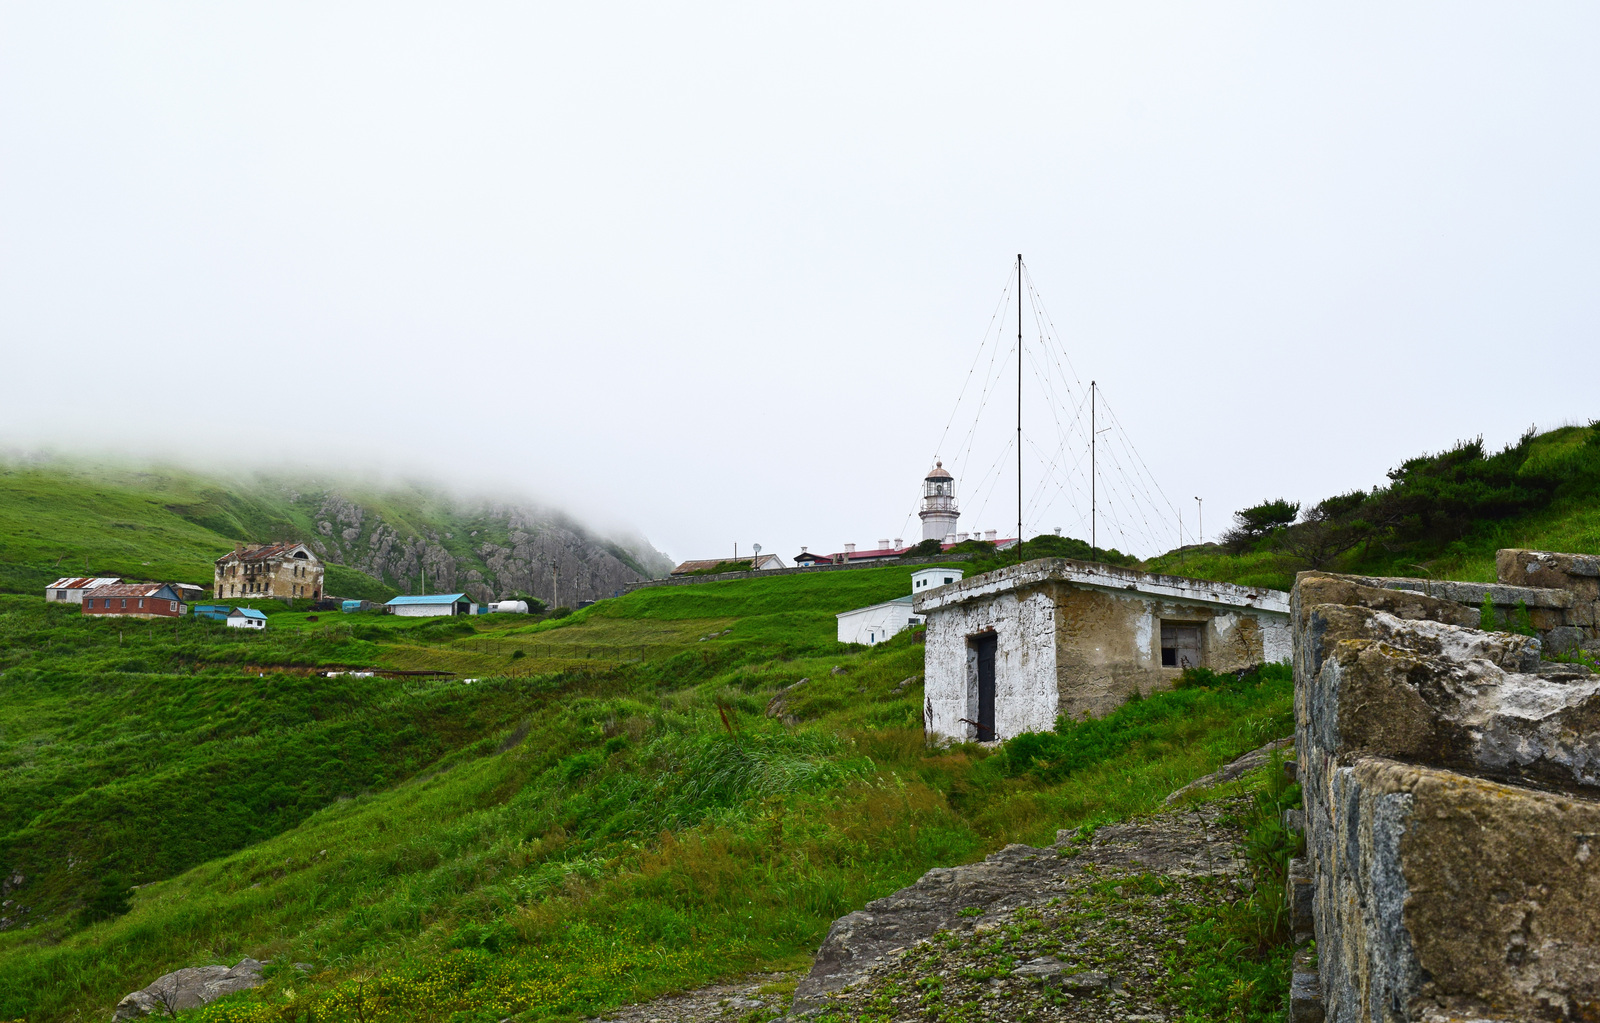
(1452, 792)
(1561, 593)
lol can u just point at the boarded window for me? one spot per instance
(1180, 645)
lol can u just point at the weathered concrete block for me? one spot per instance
(1313, 588)
(1579, 574)
(1374, 684)
(1561, 640)
(1305, 998)
(1582, 614)
(1300, 890)
(1543, 619)
(1441, 896)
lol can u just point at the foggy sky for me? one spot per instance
(717, 273)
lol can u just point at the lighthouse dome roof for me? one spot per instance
(938, 472)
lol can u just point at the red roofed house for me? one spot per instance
(284, 570)
(134, 600)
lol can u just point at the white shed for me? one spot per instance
(925, 579)
(872, 625)
(432, 605)
(246, 618)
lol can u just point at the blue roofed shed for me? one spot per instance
(215, 612)
(430, 605)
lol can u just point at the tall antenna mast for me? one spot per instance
(1093, 474)
(1019, 408)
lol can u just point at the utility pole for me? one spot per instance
(1094, 439)
(1019, 408)
(1202, 513)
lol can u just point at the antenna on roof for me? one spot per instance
(1019, 408)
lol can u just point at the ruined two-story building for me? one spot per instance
(284, 570)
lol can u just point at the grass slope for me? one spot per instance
(606, 817)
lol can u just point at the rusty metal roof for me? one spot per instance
(265, 551)
(134, 590)
(83, 582)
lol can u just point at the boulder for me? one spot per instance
(189, 988)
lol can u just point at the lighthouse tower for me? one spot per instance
(939, 512)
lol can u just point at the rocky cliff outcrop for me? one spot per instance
(488, 551)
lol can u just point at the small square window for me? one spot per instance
(1180, 645)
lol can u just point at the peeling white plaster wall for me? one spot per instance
(1025, 667)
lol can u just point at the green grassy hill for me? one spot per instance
(66, 518)
(596, 809)
(1440, 516)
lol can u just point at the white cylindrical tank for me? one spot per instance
(509, 607)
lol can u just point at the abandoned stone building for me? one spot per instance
(1451, 779)
(283, 570)
(1009, 651)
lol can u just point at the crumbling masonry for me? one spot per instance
(1452, 796)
